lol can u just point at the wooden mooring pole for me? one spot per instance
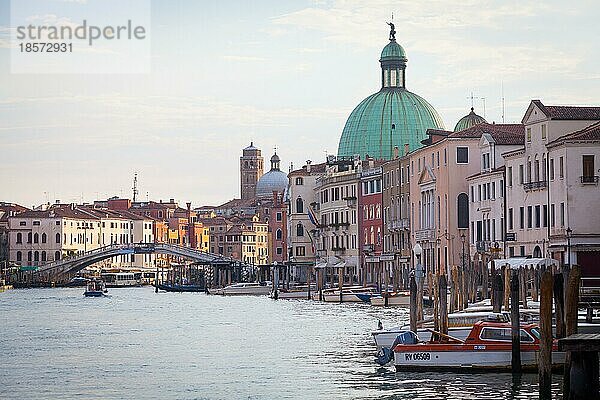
(559, 305)
(443, 303)
(571, 303)
(498, 293)
(545, 361)
(515, 323)
(413, 304)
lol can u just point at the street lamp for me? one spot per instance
(417, 251)
(462, 239)
(569, 232)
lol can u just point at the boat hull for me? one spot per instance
(470, 360)
(291, 295)
(346, 298)
(386, 338)
(93, 294)
(181, 288)
(403, 301)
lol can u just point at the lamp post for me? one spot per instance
(438, 243)
(417, 251)
(569, 232)
(462, 239)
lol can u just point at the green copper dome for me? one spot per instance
(468, 121)
(391, 117)
(392, 51)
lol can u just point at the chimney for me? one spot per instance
(396, 151)
(308, 162)
(406, 148)
(171, 200)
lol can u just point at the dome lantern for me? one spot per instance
(469, 120)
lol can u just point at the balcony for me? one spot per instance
(535, 185)
(425, 234)
(350, 201)
(399, 224)
(589, 179)
(338, 251)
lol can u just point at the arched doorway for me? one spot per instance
(537, 252)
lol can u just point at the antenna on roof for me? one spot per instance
(135, 189)
(471, 97)
(502, 90)
(483, 100)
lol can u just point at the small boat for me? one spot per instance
(488, 347)
(244, 288)
(173, 287)
(78, 281)
(95, 288)
(299, 292)
(351, 294)
(393, 299)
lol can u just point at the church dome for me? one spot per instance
(273, 181)
(391, 117)
(468, 121)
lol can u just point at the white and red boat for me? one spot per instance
(487, 347)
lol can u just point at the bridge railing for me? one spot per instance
(79, 256)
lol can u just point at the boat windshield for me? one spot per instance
(535, 332)
(502, 334)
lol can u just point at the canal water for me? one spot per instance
(136, 344)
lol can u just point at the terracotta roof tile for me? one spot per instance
(591, 133)
(569, 112)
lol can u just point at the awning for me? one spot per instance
(28, 268)
(516, 263)
(341, 264)
(321, 265)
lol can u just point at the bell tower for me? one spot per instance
(251, 169)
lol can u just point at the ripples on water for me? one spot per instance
(55, 343)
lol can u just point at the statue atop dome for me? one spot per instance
(392, 31)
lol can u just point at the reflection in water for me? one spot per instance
(57, 344)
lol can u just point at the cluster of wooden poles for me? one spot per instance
(510, 289)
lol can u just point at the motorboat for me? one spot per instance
(349, 294)
(78, 281)
(95, 288)
(393, 299)
(459, 326)
(244, 288)
(298, 292)
(488, 347)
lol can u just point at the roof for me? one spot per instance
(314, 169)
(589, 133)
(502, 133)
(9, 210)
(60, 211)
(393, 51)
(569, 112)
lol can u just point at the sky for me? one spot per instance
(282, 74)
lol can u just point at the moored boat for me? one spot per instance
(168, 287)
(350, 294)
(487, 347)
(244, 288)
(393, 299)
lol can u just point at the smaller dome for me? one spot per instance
(275, 158)
(393, 51)
(468, 121)
(272, 181)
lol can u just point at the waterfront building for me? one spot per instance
(370, 239)
(337, 204)
(390, 118)
(251, 169)
(396, 219)
(7, 210)
(487, 200)
(62, 230)
(552, 186)
(439, 193)
(302, 224)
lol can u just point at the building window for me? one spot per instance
(279, 251)
(463, 211)
(529, 216)
(551, 169)
(22, 223)
(299, 205)
(300, 251)
(522, 251)
(511, 251)
(43, 256)
(521, 178)
(545, 216)
(462, 155)
(561, 171)
(588, 169)
(510, 219)
(278, 234)
(562, 214)
(509, 176)
(537, 216)
(44, 238)
(299, 181)
(521, 217)
(29, 236)
(58, 238)
(278, 217)
(36, 256)
(543, 131)
(486, 160)
(529, 134)
(56, 255)
(36, 223)
(19, 238)
(299, 230)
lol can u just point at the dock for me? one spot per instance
(584, 372)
